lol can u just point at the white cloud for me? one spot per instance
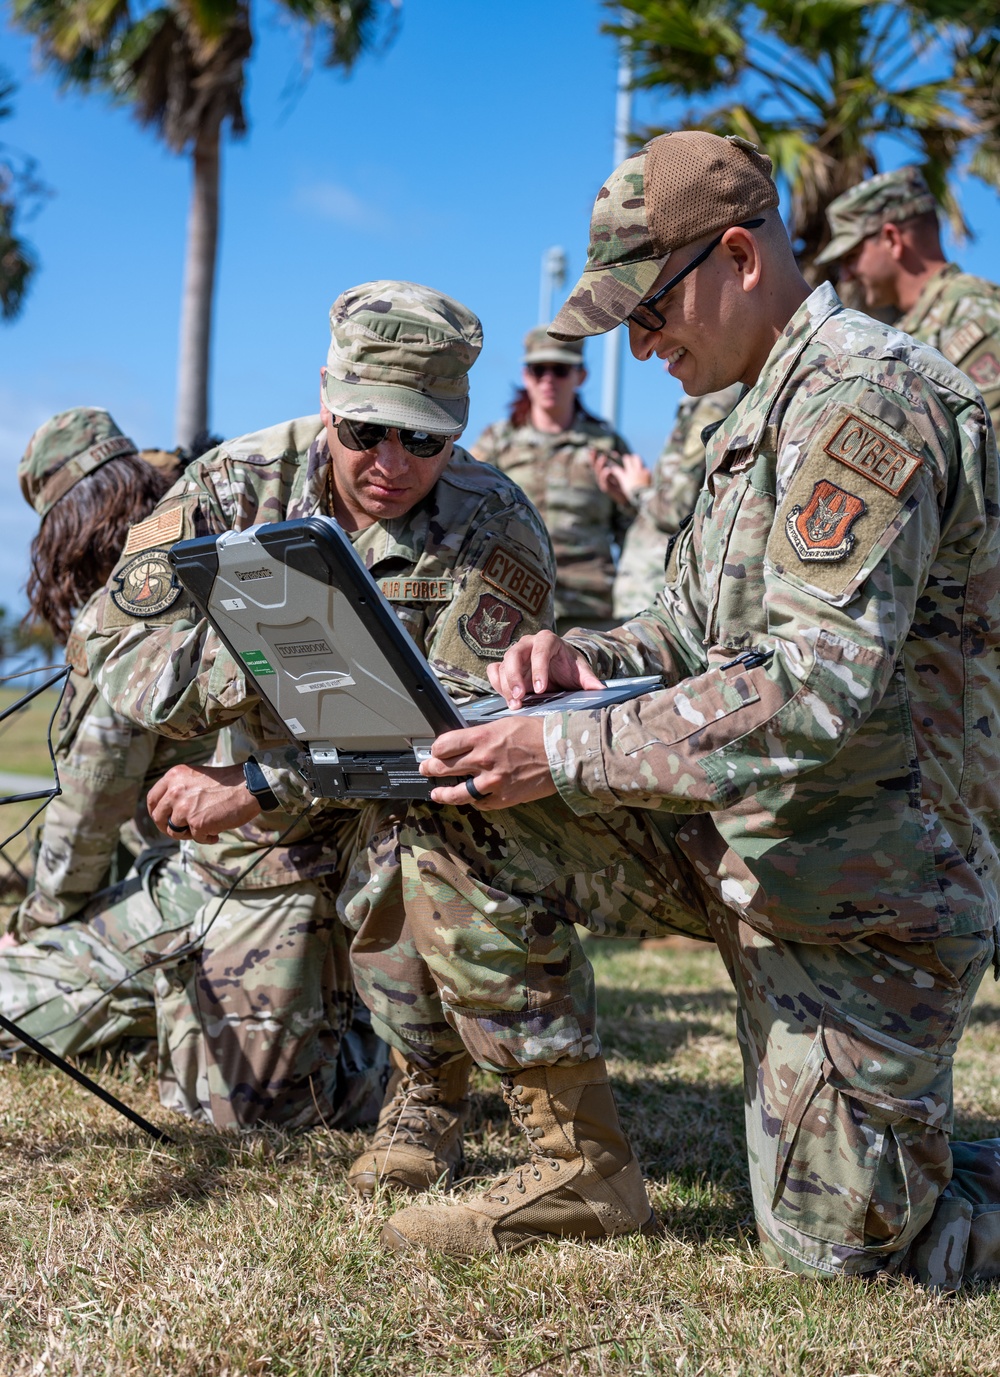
(341, 205)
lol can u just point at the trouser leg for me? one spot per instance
(250, 1026)
(391, 976)
(848, 1053)
(85, 984)
(491, 901)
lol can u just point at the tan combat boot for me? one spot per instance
(582, 1180)
(418, 1139)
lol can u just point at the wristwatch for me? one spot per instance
(257, 783)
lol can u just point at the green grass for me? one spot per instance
(233, 1256)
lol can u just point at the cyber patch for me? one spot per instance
(162, 528)
(984, 371)
(145, 586)
(513, 577)
(873, 454)
(821, 530)
(490, 629)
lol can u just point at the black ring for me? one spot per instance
(172, 826)
(473, 791)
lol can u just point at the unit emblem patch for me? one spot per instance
(490, 629)
(984, 371)
(873, 454)
(145, 586)
(821, 530)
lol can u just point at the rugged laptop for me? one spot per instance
(296, 605)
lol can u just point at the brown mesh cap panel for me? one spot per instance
(698, 183)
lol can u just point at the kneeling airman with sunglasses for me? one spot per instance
(250, 1023)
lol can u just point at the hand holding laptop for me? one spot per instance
(506, 759)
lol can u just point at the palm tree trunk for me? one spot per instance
(199, 287)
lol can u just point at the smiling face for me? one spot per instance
(713, 333)
(378, 484)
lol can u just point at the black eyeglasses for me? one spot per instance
(646, 316)
(559, 370)
(367, 434)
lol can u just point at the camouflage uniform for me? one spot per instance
(584, 523)
(816, 790)
(669, 501)
(960, 315)
(467, 569)
(106, 766)
(956, 313)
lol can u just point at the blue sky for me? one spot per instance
(456, 158)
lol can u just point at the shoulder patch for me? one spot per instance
(417, 589)
(512, 575)
(985, 370)
(849, 496)
(871, 453)
(964, 339)
(145, 586)
(162, 528)
(489, 631)
(822, 528)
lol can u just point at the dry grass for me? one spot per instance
(245, 1255)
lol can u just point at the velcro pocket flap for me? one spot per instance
(680, 712)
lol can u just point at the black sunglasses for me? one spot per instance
(646, 316)
(559, 370)
(367, 434)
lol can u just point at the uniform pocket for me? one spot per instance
(689, 712)
(863, 1149)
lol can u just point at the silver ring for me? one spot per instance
(473, 791)
(173, 826)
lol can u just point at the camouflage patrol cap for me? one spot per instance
(400, 355)
(540, 347)
(865, 208)
(65, 449)
(678, 188)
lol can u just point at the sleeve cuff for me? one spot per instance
(576, 761)
(285, 772)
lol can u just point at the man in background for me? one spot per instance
(887, 239)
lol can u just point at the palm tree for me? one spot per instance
(19, 187)
(181, 68)
(814, 83)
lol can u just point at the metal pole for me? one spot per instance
(553, 280)
(611, 382)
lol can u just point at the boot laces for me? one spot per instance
(520, 1113)
(416, 1101)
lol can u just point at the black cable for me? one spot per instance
(46, 795)
(188, 948)
(155, 1133)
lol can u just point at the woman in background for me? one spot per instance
(548, 445)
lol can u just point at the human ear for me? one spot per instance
(744, 255)
(892, 238)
